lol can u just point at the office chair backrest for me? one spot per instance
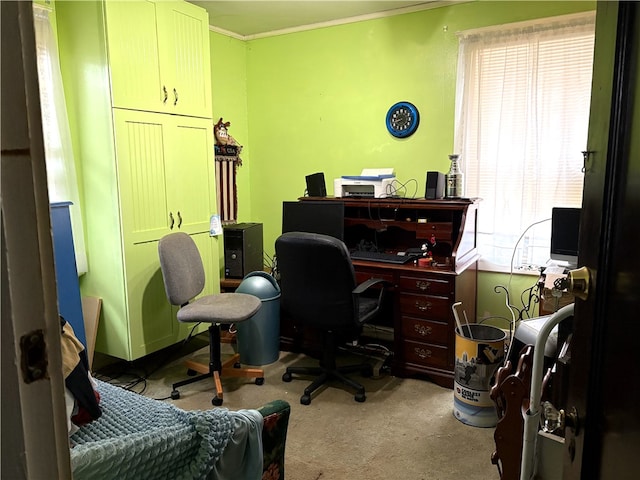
(182, 268)
(317, 279)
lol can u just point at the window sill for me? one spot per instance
(487, 266)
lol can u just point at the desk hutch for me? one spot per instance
(419, 311)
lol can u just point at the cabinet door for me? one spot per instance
(141, 157)
(183, 42)
(152, 323)
(152, 320)
(190, 174)
(166, 174)
(133, 56)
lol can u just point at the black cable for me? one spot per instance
(126, 375)
(393, 191)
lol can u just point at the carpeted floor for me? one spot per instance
(405, 429)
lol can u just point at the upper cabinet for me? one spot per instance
(159, 57)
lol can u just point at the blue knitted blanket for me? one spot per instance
(138, 438)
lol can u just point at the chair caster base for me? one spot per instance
(175, 395)
(305, 399)
(191, 372)
(259, 380)
(286, 377)
(216, 401)
(360, 397)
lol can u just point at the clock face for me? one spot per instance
(402, 119)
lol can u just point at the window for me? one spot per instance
(61, 171)
(522, 114)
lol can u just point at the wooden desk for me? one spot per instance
(229, 285)
(419, 310)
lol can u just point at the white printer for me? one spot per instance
(372, 183)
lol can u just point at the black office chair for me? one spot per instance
(183, 275)
(318, 289)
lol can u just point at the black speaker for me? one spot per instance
(242, 249)
(435, 186)
(315, 185)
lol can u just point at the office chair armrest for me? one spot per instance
(364, 286)
(367, 284)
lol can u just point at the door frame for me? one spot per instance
(35, 439)
(600, 446)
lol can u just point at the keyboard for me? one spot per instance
(381, 257)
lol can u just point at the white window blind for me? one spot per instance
(522, 113)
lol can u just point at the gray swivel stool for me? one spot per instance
(183, 275)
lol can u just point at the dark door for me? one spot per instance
(604, 377)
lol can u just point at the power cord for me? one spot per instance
(532, 297)
(393, 191)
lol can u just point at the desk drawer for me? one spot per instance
(441, 230)
(425, 330)
(426, 354)
(425, 306)
(362, 275)
(426, 284)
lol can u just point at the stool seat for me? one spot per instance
(224, 308)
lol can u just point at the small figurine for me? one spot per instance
(426, 249)
(427, 255)
(220, 130)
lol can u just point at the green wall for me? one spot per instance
(492, 300)
(229, 97)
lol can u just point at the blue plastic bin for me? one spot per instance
(259, 337)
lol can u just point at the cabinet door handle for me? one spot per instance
(422, 330)
(423, 306)
(179, 219)
(423, 285)
(171, 221)
(165, 93)
(422, 352)
(175, 95)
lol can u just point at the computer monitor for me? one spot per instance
(315, 217)
(565, 232)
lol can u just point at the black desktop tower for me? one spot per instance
(434, 189)
(242, 249)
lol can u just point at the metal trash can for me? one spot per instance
(479, 353)
(259, 337)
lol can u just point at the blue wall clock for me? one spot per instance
(402, 119)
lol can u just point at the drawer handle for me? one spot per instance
(165, 94)
(171, 221)
(423, 307)
(422, 352)
(422, 330)
(423, 285)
